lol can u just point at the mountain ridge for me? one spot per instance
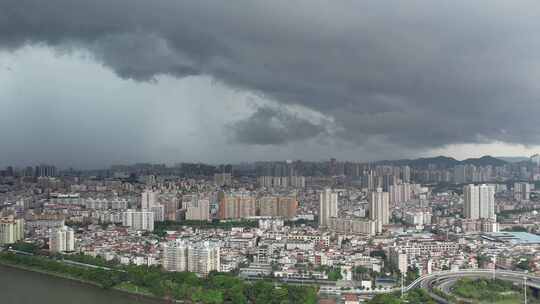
(444, 162)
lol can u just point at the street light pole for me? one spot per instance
(525, 288)
(494, 266)
(402, 286)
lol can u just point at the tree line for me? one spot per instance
(217, 288)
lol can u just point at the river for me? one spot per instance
(26, 287)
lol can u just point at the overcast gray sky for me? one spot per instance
(92, 83)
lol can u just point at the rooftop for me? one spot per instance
(518, 238)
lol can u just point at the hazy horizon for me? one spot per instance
(169, 164)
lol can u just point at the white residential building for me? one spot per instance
(522, 192)
(159, 213)
(203, 258)
(200, 257)
(418, 218)
(379, 209)
(328, 207)
(471, 202)
(175, 256)
(138, 220)
(62, 240)
(353, 226)
(11, 230)
(400, 193)
(479, 202)
(148, 199)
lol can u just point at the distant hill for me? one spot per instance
(514, 159)
(484, 161)
(444, 162)
(439, 161)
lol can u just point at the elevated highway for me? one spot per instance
(444, 280)
(427, 281)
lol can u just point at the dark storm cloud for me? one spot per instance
(274, 126)
(416, 74)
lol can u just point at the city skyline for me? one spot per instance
(34, 166)
(262, 152)
(329, 223)
(52, 166)
(222, 82)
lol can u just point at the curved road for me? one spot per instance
(424, 281)
(445, 279)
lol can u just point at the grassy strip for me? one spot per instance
(134, 289)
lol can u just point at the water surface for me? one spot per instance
(26, 287)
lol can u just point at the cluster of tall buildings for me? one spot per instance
(472, 174)
(105, 204)
(62, 239)
(198, 257)
(197, 208)
(278, 206)
(400, 193)
(479, 201)
(237, 205)
(149, 202)
(280, 175)
(170, 203)
(42, 170)
(372, 181)
(11, 230)
(223, 179)
(379, 213)
(172, 207)
(45, 171)
(382, 175)
(282, 181)
(464, 173)
(201, 206)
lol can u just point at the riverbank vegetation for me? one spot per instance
(97, 276)
(217, 288)
(30, 248)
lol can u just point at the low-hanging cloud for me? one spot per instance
(275, 126)
(414, 74)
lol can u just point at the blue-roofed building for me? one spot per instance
(517, 238)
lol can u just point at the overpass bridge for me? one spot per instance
(514, 276)
(446, 278)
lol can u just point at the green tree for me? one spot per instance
(334, 273)
(361, 273)
(378, 254)
(261, 292)
(412, 274)
(385, 299)
(25, 247)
